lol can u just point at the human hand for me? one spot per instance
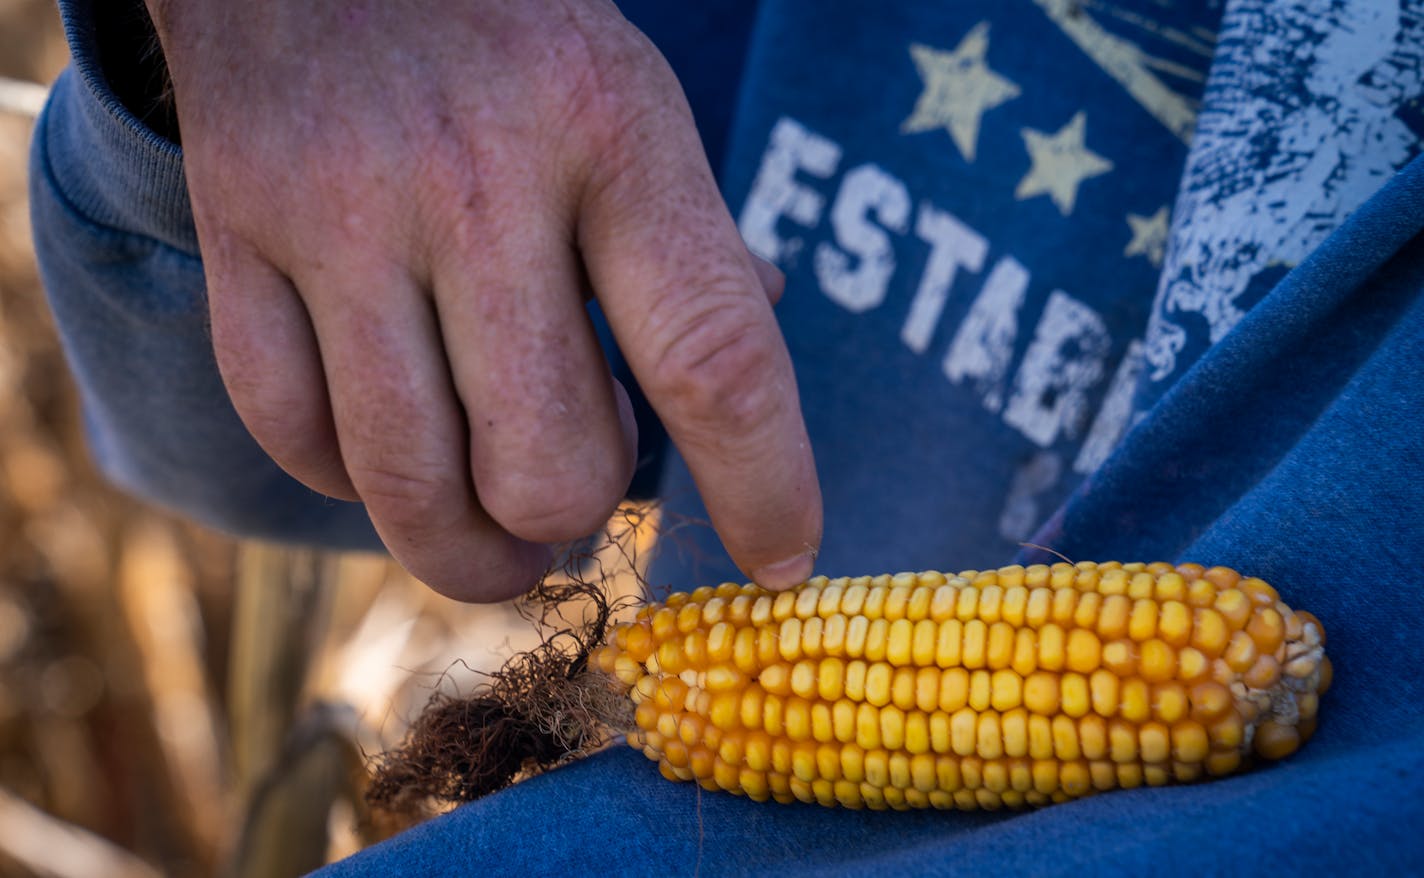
(400, 208)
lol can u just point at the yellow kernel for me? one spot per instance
(963, 731)
(1276, 740)
(948, 647)
(752, 702)
(768, 645)
(758, 751)
(939, 732)
(783, 606)
(1174, 623)
(664, 624)
(877, 639)
(943, 603)
(1040, 604)
(1154, 742)
(1222, 762)
(725, 709)
(980, 690)
(1113, 617)
(1120, 657)
(1040, 736)
(789, 639)
(1074, 779)
(857, 630)
(1156, 661)
(1093, 736)
(739, 611)
(1025, 660)
(953, 689)
(989, 739)
(968, 604)
(1209, 632)
(903, 688)
(776, 679)
(1135, 704)
(1129, 775)
(1201, 593)
(1267, 628)
(1189, 742)
(1229, 730)
(1234, 606)
(1073, 694)
(833, 635)
(1170, 702)
(830, 679)
(669, 656)
(927, 688)
(744, 651)
(811, 637)
(919, 607)
(867, 727)
(897, 602)
(1006, 690)
(1263, 674)
(808, 600)
(1171, 587)
(1103, 686)
(720, 638)
(1065, 738)
(999, 651)
(1084, 651)
(922, 772)
(1013, 605)
(1122, 741)
(853, 601)
(1241, 652)
(1014, 725)
(1041, 693)
(899, 648)
(922, 647)
(1036, 575)
(1052, 649)
(1142, 624)
(990, 602)
(1209, 700)
(877, 768)
(976, 635)
(843, 718)
(822, 723)
(855, 674)
(1112, 582)
(917, 732)
(892, 728)
(1191, 665)
(626, 670)
(828, 762)
(773, 715)
(804, 679)
(1065, 601)
(878, 678)
(640, 642)
(1045, 776)
(1142, 586)
(1089, 606)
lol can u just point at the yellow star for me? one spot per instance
(1149, 236)
(959, 89)
(1060, 164)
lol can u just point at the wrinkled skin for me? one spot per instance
(401, 208)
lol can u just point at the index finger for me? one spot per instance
(684, 299)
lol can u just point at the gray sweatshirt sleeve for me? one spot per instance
(119, 259)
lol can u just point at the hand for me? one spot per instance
(400, 207)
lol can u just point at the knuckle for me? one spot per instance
(405, 499)
(717, 365)
(549, 511)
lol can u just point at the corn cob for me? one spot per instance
(1003, 688)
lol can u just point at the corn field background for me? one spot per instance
(173, 702)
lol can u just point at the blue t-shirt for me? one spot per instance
(1133, 280)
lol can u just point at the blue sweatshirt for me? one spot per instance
(1133, 279)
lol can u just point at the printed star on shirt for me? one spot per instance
(1149, 236)
(959, 89)
(1061, 162)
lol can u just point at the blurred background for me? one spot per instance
(173, 702)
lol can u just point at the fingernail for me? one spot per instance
(784, 574)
